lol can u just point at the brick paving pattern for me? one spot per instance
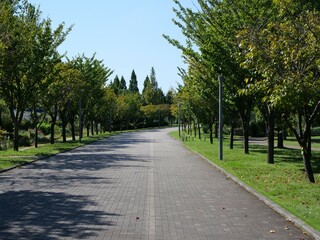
(142, 185)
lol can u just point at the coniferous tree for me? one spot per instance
(153, 79)
(145, 84)
(133, 84)
(123, 84)
(116, 85)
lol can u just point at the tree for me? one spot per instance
(116, 85)
(133, 84)
(153, 79)
(123, 85)
(285, 51)
(170, 96)
(147, 91)
(26, 40)
(63, 94)
(95, 75)
(211, 41)
(109, 108)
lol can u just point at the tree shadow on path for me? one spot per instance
(49, 215)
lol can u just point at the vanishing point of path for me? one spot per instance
(142, 185)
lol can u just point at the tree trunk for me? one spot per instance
(280, 139)
(245, 119)
(52, 132)
(97, 128)
(199, 130)
(232, 136)
(304, 139)
(72, 117)
(36, 137)
(307, 163)
(246, 138)
(211, 133)
(73, 130)
(306, 153)
(64, 124)
(16, 136)
(64, 135)
(216, 128)
(16, 119)
(270, 134)
(64, 132)
(92, 128)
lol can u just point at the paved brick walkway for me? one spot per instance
(141, 185)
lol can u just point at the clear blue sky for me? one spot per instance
(126, 34)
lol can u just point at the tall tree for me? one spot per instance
(123, 85)
(133, 84)
(116, 85)
(27, 43)
(211, 41)
(153, 79)
(147, 91)
(96, 75)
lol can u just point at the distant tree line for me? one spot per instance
(150, 108)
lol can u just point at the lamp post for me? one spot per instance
(179, 116)
(220, 120)
(80, 120)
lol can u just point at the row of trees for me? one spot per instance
(146, 109)
(268, 53)
(73, 93)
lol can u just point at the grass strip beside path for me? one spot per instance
(283, 182)
(10, 158)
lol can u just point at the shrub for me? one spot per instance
(5, 140)
(45, 128)
(24, 138)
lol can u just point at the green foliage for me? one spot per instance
(116, 85)
(24, 138)
(5, 141)
(133, 84)
(151, 93)
(45, 128)
(28, 51)
(123, 85)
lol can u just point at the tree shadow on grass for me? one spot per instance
(289, 155)
(50, 215)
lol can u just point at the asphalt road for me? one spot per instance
(142, 185)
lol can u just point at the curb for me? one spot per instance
(287, 215)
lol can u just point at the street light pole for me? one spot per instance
(179, 117)
(80, 120)
(220, 120)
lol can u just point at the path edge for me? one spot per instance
(286, 214)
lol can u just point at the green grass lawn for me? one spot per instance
(291, 141)
(283, 182)
(12, 158)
